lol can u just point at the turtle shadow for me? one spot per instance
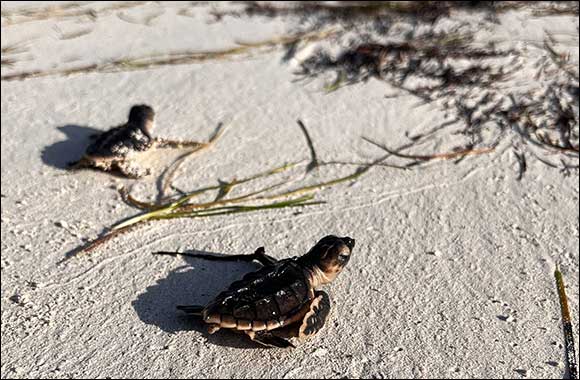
(61, 153)
(196, 282)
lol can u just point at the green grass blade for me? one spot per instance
(298, 202)
(191, 207)
(180, 203)
(321, 185)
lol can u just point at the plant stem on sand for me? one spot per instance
(567, 324)
(181, 207)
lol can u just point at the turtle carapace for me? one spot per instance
(278, 303)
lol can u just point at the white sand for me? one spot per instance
(452, 275)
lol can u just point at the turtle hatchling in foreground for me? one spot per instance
(278, 302)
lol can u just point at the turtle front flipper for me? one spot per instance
(166, 143)
(131, 170)
(268, 339)
(260, 256)
(315, 317)
(299, 327)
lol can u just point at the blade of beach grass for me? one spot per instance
(156, 209)
(225, 189)
(352, 163)
(567, 325)
(298, 202)
(285, 40)
(441, 156)
(241, 198)
(131, 64)
(132, 201)
(321, 185)
(151, 206)
(522, 164)
(166, 178)
(179, 204)
(159, 60)
(161, 209)
(188, 196)
(178, 208)
(313, 160)
(92, 245)
(242, 209)
(331, 87)
(61, 11)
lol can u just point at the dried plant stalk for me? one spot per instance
(161, 60)
(567, 325)
(440, 156)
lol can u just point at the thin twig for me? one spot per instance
(314, 160)
(87, 248)
(354, 163)
(298, 202)
(160, 60)
(225, 189)
(166, 179)
(92, 245)
(441, 156)
(321, 185)
(184, 197)
(567, 325)
(522, 164)
(181, 203)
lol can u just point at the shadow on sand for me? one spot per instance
(61, 153)
(194, 283)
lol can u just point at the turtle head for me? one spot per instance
(327, 258)
(142, 116)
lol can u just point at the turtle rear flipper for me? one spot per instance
(268, 339)
(83, 163)
(131, 170)
(315, 317)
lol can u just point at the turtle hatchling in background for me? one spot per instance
(118, 149)
(277, 304)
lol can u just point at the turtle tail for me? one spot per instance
(191, 309)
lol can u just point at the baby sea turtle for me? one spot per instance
(279, 301)
(118, 148)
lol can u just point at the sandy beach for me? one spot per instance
(452, 275)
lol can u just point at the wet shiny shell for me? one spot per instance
(262, 300)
